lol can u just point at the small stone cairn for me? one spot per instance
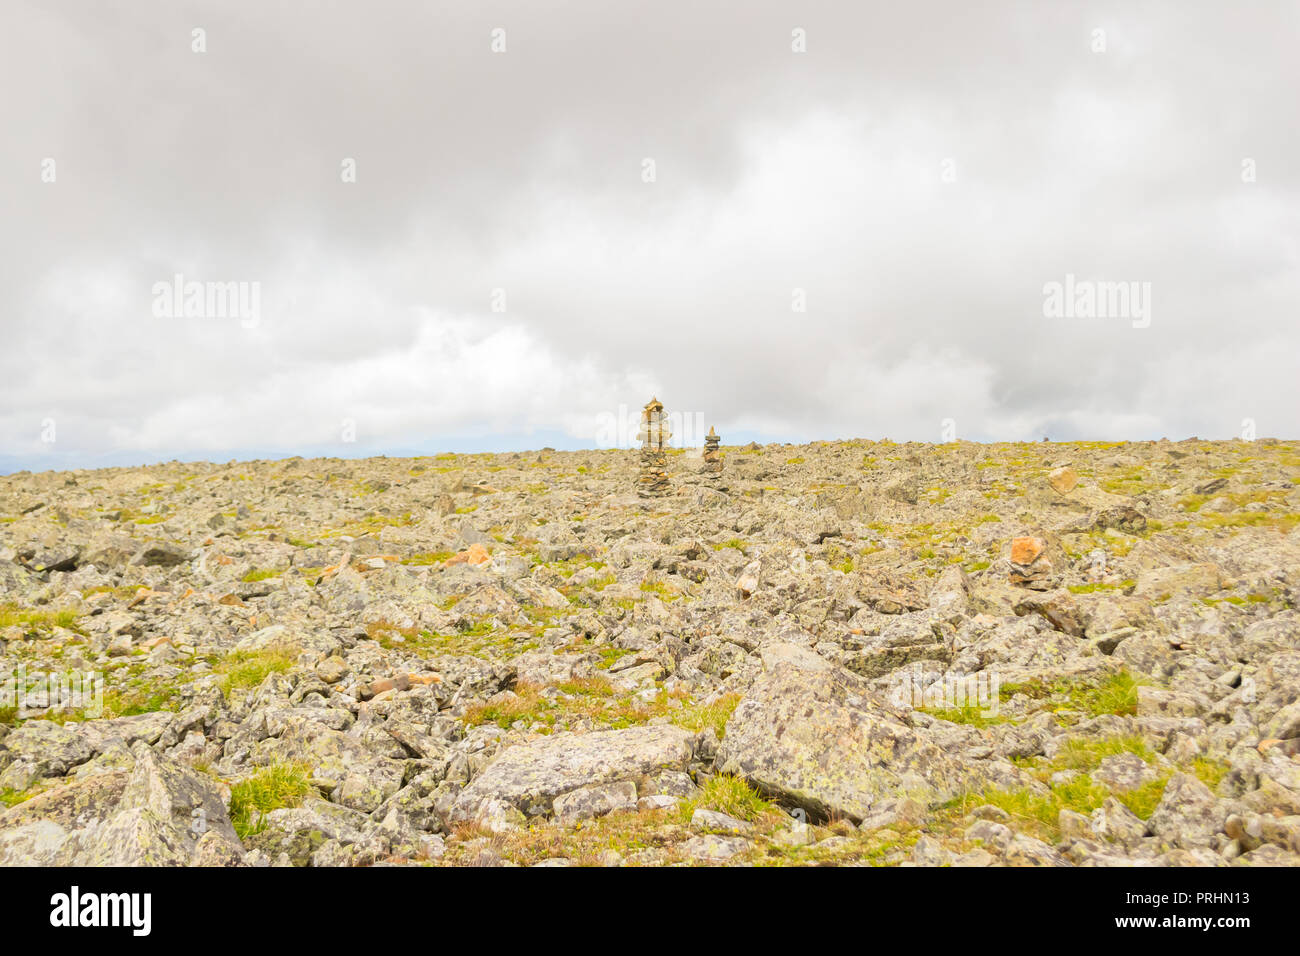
(712, 459)
(653, 435)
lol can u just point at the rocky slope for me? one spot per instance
(849, 652)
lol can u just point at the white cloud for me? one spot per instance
(821, 172)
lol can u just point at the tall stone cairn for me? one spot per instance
(653, 435)
(712, 459)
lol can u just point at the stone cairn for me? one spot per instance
(712, 460)
(653, 435)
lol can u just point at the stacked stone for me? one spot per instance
(653, 435)
(712, 460)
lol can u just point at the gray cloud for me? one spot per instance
(522, 171)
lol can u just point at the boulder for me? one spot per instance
(531, 776)
(816, 736)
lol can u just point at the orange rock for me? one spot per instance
(1063, 479)
(1026, 550)
(383, 684)
(141, 595)
(475, 554)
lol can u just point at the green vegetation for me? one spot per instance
(1087, 753)
(664, 591)
(11, 798)
(244, 669)
(1101, 586)
(275, 787)
(1038, 814)
(1210, 772)
(427, 558)
(715, 715)
(37, 622)
(263, 574)
(1114, 694)
(972, 714)
(730, 795)
(592, 698)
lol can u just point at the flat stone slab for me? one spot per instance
(816, 736)
(531, 776)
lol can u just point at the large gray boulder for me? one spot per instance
(155, 815)
(531, 776)
(816, 736)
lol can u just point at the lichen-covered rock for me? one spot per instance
(187, 800)
(301, 620)
(137, 837)
(588, 802)
(531, 776)
(1188, 814)
(74, 805)
(818, 737)
(31, 844)
(354, 774)
(47, 748)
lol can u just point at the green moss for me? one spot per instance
(1238, 498)
(262, 574)
(664, 592)
(738, 543)
(428, 558)
(11, 798)
(1250, 519)
(1101, 586)
(129, 701)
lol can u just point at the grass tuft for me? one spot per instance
(244, 669)
(275, 787)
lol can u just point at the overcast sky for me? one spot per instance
(914, 179)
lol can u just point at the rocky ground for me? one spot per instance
(512, 659)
